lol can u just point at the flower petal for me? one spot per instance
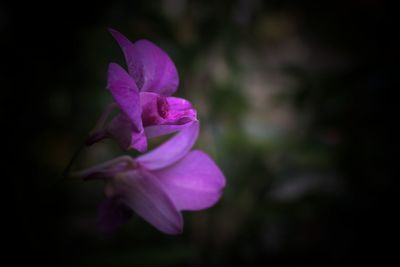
(164, 115)
(99, 133)
(150, 66)
(161, 110)
(154, 108)
(111, 214)
(172, 150)
(180, 111)
(177, 103)
(126, 94)
(120, 128)
(193, 183)
(159, 130)
(143, 193)
(108, 169)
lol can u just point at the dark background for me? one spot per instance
(296, 103)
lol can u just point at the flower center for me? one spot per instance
(163, 107)
(155, 109)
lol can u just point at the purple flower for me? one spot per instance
(143, 95)
(158, 185)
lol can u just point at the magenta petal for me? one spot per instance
(193, 183)
(126, 94)
(108, 169)
(159, 72)
(143, 193)
(120, 129)
(154, 108)
(150, 66)
(172, 150)
(180, 111)
(99, 133)
(177, 103)
(165, 115)
(159, 130)
(111, 214)
(161, 110)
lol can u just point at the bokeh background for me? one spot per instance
(295, 103)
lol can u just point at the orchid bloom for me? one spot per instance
(143, 95)
(158, 185)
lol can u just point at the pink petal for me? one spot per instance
(193, 183)
(177, 103)
(154, 108)
(159, 130)
(172, 150)
(150, 66)
(111, 214)
(99, 133)
(121, 129)
(179, 111)
(165, 115)
(143, 193)
(161, 110)
(108, 169)
(125, 94)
